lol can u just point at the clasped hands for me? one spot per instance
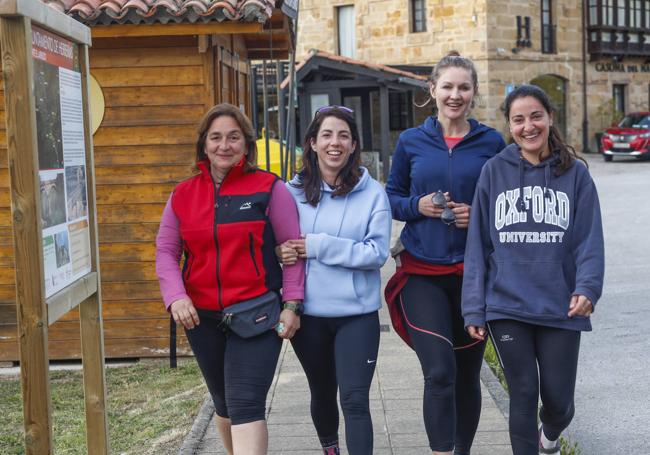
(290, 251)
(461, 210)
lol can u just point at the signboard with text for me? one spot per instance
(61, 160)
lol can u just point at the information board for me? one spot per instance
(61, 159)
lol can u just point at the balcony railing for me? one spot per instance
(608, 41)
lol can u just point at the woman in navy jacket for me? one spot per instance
(433, 176)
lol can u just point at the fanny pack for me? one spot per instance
(253, 317)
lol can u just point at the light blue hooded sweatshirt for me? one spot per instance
(347, 242)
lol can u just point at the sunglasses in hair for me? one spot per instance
(440, 201)
(324, 109)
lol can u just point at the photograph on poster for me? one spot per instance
(62, 247)
(52, 201)
(75, 182)
(48, 115)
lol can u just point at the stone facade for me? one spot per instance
(486, 32)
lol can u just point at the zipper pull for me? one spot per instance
(449, 153)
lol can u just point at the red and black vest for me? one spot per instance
(228, 241)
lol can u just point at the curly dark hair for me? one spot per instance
(556, 143)
(310, 178)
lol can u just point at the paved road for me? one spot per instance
(613, 390)
(395, 403)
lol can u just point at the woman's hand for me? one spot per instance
(290, 324)
(478, 333)
(183, 312)
(461, 210)
(286, 253)
(428, 209)
(580, 306)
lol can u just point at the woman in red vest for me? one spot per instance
(226, 221)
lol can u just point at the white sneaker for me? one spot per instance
(545, 445)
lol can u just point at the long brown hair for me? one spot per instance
(310, 178)
(244, 124)
(556, 144)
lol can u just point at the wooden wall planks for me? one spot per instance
(155, 90)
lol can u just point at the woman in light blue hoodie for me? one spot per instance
(345, 222)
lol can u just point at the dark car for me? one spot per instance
(630, 138)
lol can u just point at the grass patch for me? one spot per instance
(150, 409)
(491, 358)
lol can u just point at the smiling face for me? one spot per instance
(453, 92)
(333, 146)
(224, 145)
(530, 125)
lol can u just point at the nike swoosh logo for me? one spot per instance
(371, 361)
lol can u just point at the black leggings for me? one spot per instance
(238, 371)
(340, 353)
(450, 360)
(522, 348)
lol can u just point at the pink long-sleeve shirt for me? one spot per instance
(282, 213)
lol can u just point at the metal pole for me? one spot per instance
(280, 105)
(585, 115)
(265, 97)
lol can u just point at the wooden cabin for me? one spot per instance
(160, 65)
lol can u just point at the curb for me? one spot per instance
(195, 436)
(499, 395)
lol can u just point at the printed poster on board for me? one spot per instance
(61, 160)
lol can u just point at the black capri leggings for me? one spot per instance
(340, 353)
(238, 371)
(522, 348)
(450, 360)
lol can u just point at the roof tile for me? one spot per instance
(104, 12)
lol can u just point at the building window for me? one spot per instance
(607, 12)
(418, 16)
(345, 21)
(548, 29)
(621, 13)
(399, 111)
(618, 95)
(593, 12)
(635, 14)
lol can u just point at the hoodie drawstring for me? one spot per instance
(521, 206)
(345, 206)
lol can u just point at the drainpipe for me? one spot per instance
(585, 118)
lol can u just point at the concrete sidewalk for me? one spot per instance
(395, 403)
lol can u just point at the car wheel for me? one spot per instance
(608, 158)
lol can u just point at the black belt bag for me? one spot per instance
(254, 316)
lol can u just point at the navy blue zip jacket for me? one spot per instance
(422, 164)
(535, 239)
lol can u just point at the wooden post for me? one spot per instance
(384, 130)
(16, 43)
(90, 309)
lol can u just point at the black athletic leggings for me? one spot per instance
(450, 360)
(528, 352)
(340, 353)
(238, 371)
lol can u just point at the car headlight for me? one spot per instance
(644, 136)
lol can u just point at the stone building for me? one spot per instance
(592, 56)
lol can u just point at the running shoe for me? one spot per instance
(542, 449)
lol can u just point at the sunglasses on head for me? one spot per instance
(440, 201)
(324, 109)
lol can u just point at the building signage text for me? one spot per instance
(622, 68)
